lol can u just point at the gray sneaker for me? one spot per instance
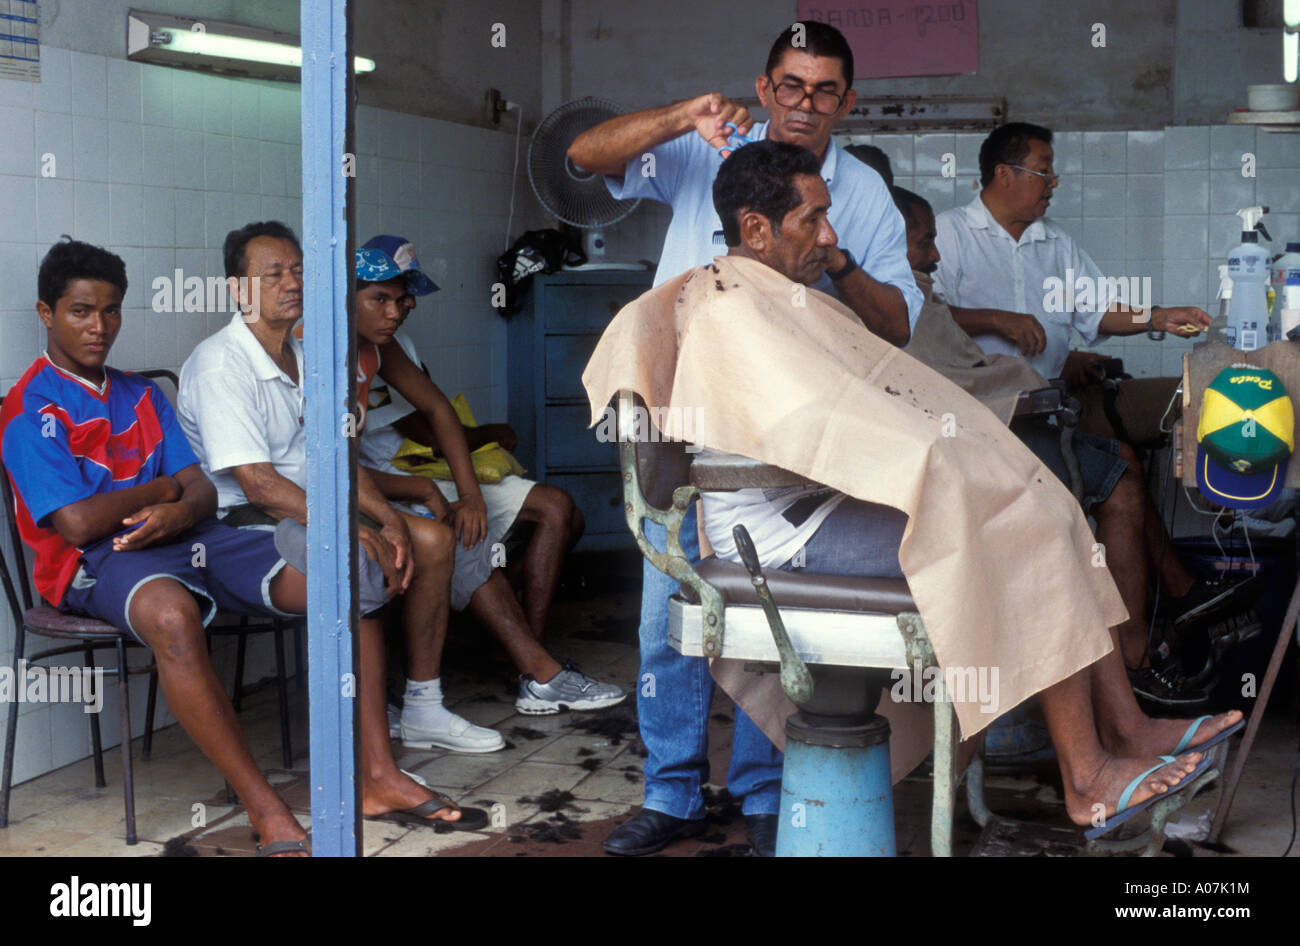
(568, 689)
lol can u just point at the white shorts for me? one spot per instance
(503, 501)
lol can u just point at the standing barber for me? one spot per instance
(672, 154)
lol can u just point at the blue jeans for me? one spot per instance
(675, 720)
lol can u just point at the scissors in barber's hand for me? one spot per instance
(735, 141)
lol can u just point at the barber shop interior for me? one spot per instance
(749, 428)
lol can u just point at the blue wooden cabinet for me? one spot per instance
(551, 338)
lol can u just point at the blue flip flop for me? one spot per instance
(1209, 743)
(1124, 813)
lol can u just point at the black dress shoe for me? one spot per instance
(761, 832)
(648, 831)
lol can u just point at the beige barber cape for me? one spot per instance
(996, 552)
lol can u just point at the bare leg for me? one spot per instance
(167, 617)
(558, 526)
(1093, 778)
(1119, 529)
(495, 606)
(427, 600)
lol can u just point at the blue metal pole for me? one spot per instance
(331, 360)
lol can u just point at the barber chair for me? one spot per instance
(836, 640)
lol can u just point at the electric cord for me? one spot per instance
(1294, 776)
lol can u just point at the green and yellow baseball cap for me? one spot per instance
(1245, 437)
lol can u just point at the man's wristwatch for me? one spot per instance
(850, 264)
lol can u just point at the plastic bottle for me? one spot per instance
(1248, 267)
(1283, 266)
(1289, 306)
(1221, 327)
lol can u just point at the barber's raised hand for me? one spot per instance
(469, 520)
(712, 112)
(1023, 331)
(1184, 321)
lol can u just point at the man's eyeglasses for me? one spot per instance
(790, 94)
(1047, 176)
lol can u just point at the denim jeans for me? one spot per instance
(675, 720)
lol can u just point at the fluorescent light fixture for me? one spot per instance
(222, 47)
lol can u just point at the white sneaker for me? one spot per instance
(460, 736)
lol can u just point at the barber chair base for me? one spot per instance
(836, 797)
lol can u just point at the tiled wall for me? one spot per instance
(158, 164)
(1141, 203)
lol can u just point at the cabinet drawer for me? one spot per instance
(566, 357)
(600, 497)
(585, 308)
(569, 443)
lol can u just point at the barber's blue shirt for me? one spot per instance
(862, 212)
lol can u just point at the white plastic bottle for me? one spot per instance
(1283, 266)
(1249, 270)
(1221, 327)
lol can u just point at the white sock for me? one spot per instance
(422, 705)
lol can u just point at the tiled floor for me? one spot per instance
(558, 789)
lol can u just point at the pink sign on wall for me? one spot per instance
(903, 37)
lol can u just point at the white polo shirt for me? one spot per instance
(983, 267)
(237, 407)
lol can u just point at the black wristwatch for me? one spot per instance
(850, 264)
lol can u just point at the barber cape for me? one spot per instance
(997, 381)
(996, 552)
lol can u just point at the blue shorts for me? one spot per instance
(227, 569)
(1100, 466)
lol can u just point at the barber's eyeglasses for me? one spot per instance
(272, 277)
(1047, 176)
(790, 94)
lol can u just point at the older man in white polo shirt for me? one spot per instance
(1016, 282)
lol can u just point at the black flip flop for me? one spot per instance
(285, 847)
(471, 819)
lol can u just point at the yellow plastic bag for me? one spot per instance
(492, 462)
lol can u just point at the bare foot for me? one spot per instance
(397, 792)
(1098, 794)
(1160, 736)
(278, 826)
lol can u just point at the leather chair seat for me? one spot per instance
(802, 590)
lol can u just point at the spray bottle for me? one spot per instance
(1284, 266)
(1221, 327)
(1248, 267)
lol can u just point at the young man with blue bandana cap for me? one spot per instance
(672, 154)
(387, 274)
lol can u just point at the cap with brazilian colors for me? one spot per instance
(386, 257)
(1245, 437)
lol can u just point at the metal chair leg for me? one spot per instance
(147, 748)
(124, 715)
(11, 737)
(945, 774)
(96, 739)
(282, 689)
(238, 692)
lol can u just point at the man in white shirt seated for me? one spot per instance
(513, 505)
(1018, 283)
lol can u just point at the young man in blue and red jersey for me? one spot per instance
(119, 514)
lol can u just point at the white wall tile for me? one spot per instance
(1145, 238)
(246, 154)
(1184, 282)
(967, 148)
(900, 150)
(16, 143)
(1187, 192)
(1067, 150)
(929, 151)
(1104, 195)
(1278, 150)
(939, 191)
(17, 92)
(157, 155)
(90, 212)
(1225, 233)
(1279, 190)
(1187, 149)
(55, 210)
(1229, 143)
(217, 105)
(244, 109)
(1104, 152)
(124, 152)
(1186, 236)
(1146, 194)
(18, 209)
(1103, 237)
(187, 154)
(273, 173)
(156, 90)
(126, 215)
(1146, 152)
(187, 100)
(89, 85)
(125, 90)
(218, 163)
(1230, 192)
(90, 148)
(23, 340)
(54, 91)
(189, 219)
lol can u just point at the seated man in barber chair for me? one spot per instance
(923, 482)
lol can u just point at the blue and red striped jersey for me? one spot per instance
(64, 440)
